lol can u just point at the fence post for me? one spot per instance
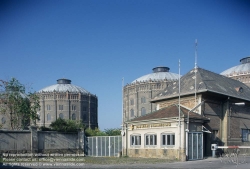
(81, 141)
(33, 139)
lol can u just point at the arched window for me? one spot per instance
(143, 111)
(61, 115)
(132, 113)
(48, 117)
(73, 116)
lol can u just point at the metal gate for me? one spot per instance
(103, 146)
(195, 145)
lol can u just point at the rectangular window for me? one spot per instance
(135, 140)
(245, 135)
(73, 107)
(48, 107)
(151, 139)
(84, 109)
(60, 107)
(132, 102)
(168, 139)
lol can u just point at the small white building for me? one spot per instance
(159, 135)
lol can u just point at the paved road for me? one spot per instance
(208, 163)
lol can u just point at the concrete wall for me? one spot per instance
(41, 141)
(15, 141)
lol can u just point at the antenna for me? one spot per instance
(179, 108)
(122, 101)
(195, 68)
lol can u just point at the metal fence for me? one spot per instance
(103, 146)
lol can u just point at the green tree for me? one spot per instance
(113, 131)
(20, 108)
(106, 132)
(63, 125)
(94, 132)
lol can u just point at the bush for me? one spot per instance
(43, 128)
(63, 125)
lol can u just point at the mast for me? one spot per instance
(179, 111)
(195, 69)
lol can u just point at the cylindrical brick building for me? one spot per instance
(67, 101)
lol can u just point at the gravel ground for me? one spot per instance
(124, 160)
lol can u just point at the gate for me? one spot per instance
(103, 146)
(195, 145)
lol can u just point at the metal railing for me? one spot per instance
(100, 146)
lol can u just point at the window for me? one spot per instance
(168, 139)
(132, 113)
(135, 140)
(3, 120)
(48, 117)
(143, 100)
(84, 108)
(131, 101)
(85, 117)
(150, 139)
(61, 115)
(73, 107)
(245, 135)
(73, 116)
(143, 111)
(48, 107)
(60, 107)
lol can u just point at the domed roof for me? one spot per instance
(159, 73)
(64, 85)
(243, 68)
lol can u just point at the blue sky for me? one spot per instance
(96, 43)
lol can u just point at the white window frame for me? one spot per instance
(151, 139)
(168, 139)
(135, 140)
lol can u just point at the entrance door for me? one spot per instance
(195, 145)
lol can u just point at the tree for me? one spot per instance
(63, 125)
(94, 132)
(106, 132)
(113, 131)
(20, 108)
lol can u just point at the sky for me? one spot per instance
(97, 43)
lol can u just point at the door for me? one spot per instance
(195, 145)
